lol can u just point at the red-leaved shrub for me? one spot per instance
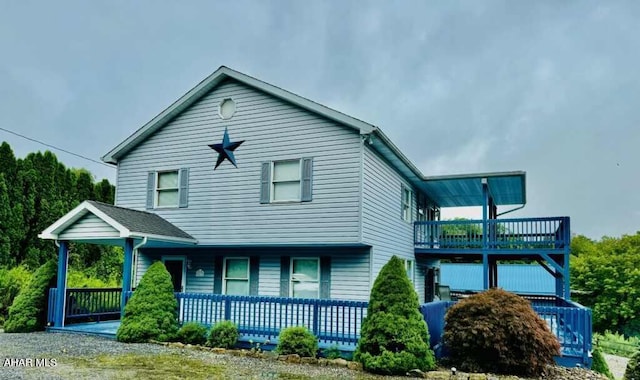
(497, 331)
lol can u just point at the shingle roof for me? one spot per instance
(141, 221)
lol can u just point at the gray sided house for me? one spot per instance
(317, 204)
(272, 210)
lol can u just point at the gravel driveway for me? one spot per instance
(88, 357)
(68, 349)
(617, 364)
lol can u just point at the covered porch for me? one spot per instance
(94, 222)
(544, 240)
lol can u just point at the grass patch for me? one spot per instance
(616, 344)
(160, 367)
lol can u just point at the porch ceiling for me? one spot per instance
(100, 223)
(506, 188)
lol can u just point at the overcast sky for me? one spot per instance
(551, 88)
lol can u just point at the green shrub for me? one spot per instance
(394, 337)
(11, 282)
(192, 333)
(633, 368)
(80, 279)
(224, 334)
(600, 365)
(297, 340)
(29, 310)
(332, 352)
(497, 331)
(152, 311)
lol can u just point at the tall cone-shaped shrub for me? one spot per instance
(152, 311)
(29, 310)
(394, 336)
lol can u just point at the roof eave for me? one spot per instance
(171, 239)
(207, 85)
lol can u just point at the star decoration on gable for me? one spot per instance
(225, 150)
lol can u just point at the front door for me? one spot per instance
(175, 267)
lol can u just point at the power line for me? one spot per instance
(55, 147)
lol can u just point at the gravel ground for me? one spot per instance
(617, 364)
(76, 355)
(65, 347)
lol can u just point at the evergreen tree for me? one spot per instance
(394, 336)
(152, 311)
(29, 310)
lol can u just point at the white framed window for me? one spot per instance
(167, 190)
(407, 196)
(409, 267)
(235, 276)
(285, 181)
(305, 277)
(226, 109)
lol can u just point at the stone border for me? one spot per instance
(267, 355)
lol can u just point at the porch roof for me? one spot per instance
(101, 223)
(506, 188)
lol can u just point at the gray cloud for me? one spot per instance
(547, 87)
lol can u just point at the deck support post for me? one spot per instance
(485, 234)
(485, 270)
(567, 249)
(126, 272)
(63, 261)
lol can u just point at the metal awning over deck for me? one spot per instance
(505, 188)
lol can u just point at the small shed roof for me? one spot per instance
(125, 222)
(520, 278)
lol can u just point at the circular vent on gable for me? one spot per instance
(227, 108)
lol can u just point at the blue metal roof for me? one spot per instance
(520, 278)
(506, 188)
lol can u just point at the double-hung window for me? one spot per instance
(409, 268)
(235, 279)
(285, 181)
(305, 277)
(407, 197)
(167, 190)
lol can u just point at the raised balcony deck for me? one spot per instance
(502, 236)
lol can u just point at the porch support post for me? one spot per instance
(126, 272)
(567, 249)
(63, 260)
(485, 233)
(485, 270)
(560, 284)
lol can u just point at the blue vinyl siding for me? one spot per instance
(224, 205)
(349, 268)
(382, 224)
(89, 226)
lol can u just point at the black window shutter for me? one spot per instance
(217, 275)
(254, 275)
(265, 182)
(184, 188)
(307, 180)
(151, 189)
(285, 262)
(325, 277)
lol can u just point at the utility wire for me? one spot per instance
(55, 147)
